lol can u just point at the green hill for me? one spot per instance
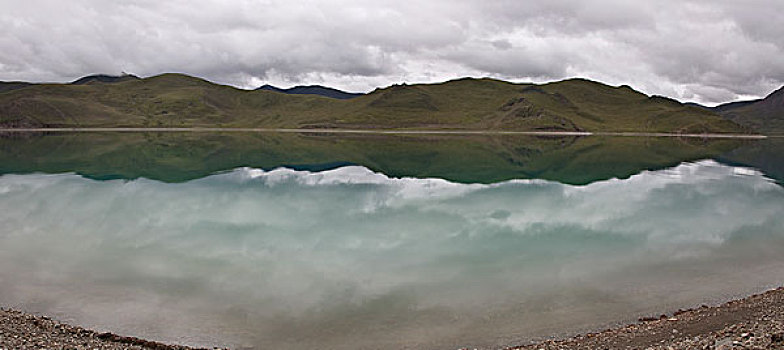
(176, 100)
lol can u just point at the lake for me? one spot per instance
(291, 241)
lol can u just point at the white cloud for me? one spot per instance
(708, 51)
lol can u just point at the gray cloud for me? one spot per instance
(708, 51)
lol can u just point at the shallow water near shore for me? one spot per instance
(438, 243)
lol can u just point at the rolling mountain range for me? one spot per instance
(177, 100)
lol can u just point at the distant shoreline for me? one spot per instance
(394, 132)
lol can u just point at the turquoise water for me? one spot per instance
(345, 256)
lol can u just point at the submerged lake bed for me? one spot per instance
(263, 240)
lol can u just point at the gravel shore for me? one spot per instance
(756, 322)
(19, 330)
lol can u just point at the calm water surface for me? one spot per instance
(294, 241)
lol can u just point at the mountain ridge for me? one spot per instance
(179, 100)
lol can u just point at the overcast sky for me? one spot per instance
(708, 51)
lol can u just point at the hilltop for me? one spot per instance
(177, 100)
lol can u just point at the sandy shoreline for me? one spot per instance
(755, 322)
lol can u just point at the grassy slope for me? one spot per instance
(175, 100)
(600, 107)
(178, 157)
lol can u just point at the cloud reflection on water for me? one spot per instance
(352, 258)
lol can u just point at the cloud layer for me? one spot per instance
(707, 51)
